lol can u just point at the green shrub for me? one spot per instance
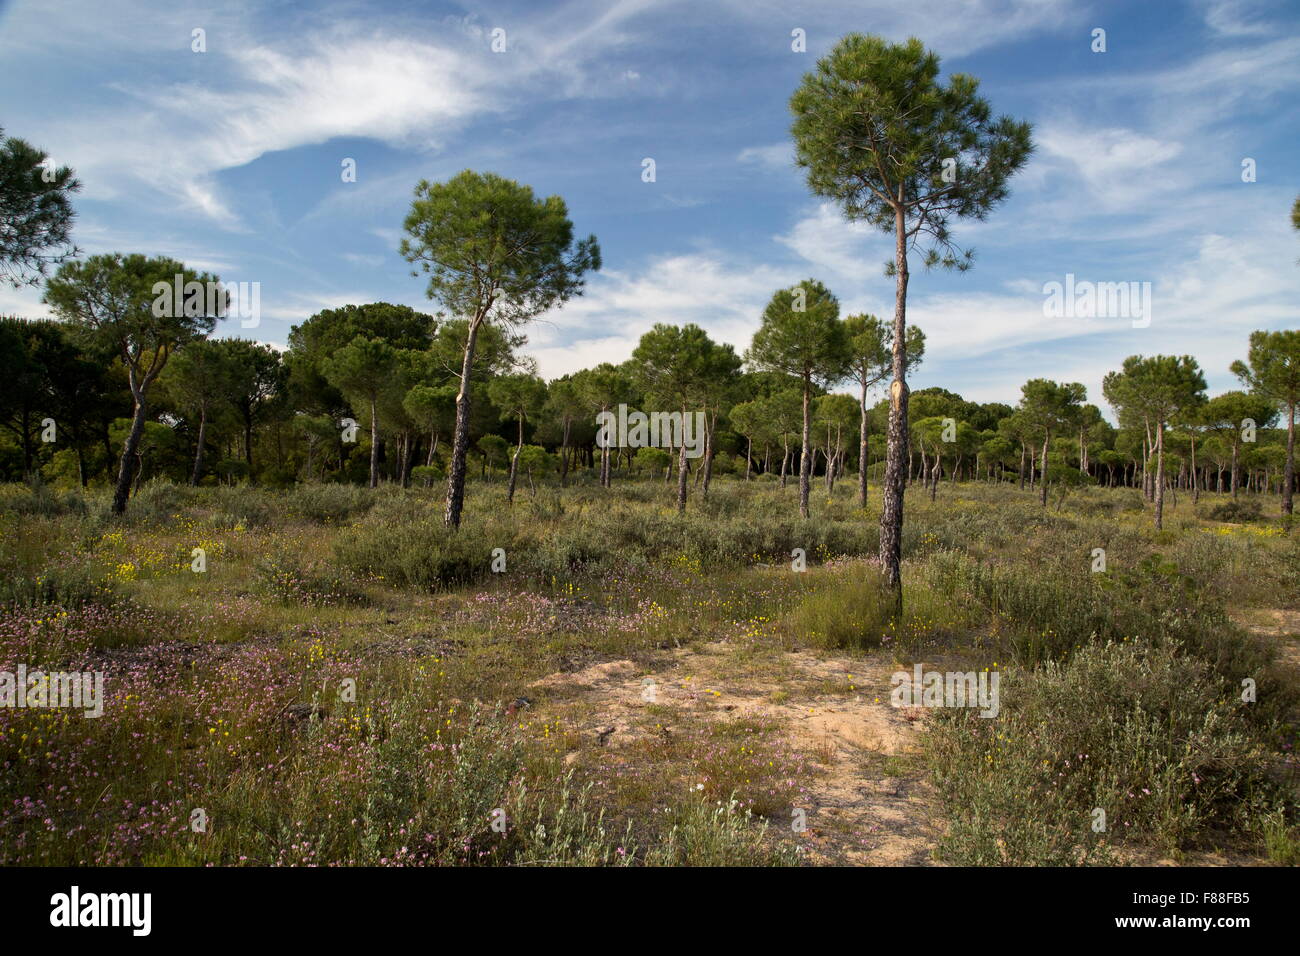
(42, 561)
(425, 554)
(39, 500)
(329, 503)
(853, 609)
(158, 501)
(67, 586)
(1144, 733)
(1281, 838)
(1240, 510)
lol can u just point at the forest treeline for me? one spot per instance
(230, 410)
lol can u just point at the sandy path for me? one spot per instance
(872, 804)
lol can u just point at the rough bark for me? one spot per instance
(126, 465)
(1043, 479)
(862, 450)
(374, 443)
(895, 481)
(681, 473)
(1160, 475)
(1288, 479)
(460, 442)
(805, 453)
(514, 464)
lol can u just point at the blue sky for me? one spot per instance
(230, 160)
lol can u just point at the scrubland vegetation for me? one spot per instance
(1122, 689)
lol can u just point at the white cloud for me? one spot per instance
(838, 248)
(1235, 18)
(1204, 306)
(24, 302)
(776, 156)
(363, 259)
(275, 90)
(604, 325)
(392, 89)
(1118, 167)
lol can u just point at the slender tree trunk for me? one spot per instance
(829, 476)
(126, 465)
(1196, 481)
(805, 453)
(862, 450)
(708, 452)
(408, 454)
(1288, 475)
(836, 461)
(460, 443)
(1160, 475)
(895, 481)
(681, 469)
(1233, 480)
(514, 470)
(198, 455)
(1148, 488)
(514, 464)
(374, 443)
(1043, 477)
(604, 455)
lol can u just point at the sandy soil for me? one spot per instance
(871, 806)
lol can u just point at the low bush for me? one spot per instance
(1240, 510)
(853, 609)
(1143, 733)
(425, 554)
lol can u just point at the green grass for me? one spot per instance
(310, 587)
